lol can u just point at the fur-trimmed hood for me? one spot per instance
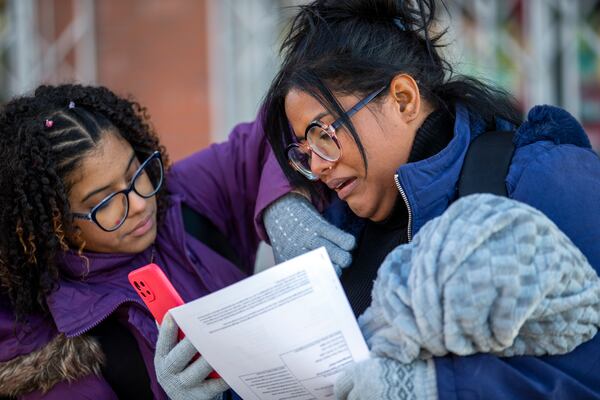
(62, 359)
(553, 124)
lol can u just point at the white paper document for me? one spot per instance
(283, 334)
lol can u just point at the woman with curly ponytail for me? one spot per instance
(44, 144)
(87, 195)
(366, 107)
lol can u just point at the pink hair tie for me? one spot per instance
(48, 123)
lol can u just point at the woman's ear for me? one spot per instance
(405, 92)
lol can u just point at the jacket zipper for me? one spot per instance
(403, 194)
(98, 322)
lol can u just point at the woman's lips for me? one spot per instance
(143, 227)
(345, 188)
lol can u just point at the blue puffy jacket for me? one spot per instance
(554, 170)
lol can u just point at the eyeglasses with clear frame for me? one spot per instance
(321, 139)
(110, 213)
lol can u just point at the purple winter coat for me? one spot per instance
(231, 183)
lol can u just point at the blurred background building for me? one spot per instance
(201, 66)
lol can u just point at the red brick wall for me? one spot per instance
(156, 50)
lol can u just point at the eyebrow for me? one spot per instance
(320, 115)
(96, 191)
(316, 118)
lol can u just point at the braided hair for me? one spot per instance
(43, 140)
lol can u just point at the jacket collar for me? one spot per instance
(93, 286)
(430, 184)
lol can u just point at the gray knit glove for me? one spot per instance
(180, 379)
(296, 227)
(383, 378)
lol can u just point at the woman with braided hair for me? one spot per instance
(87, 196)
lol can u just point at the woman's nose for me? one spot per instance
(318, 166)
(136, 203)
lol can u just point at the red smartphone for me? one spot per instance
(157, 292)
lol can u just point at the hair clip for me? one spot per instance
(399, 24)
(48, 123)
(71, 104)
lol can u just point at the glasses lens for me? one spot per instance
(300, 160)
(150, 178)
(323, 143)
(113, 212)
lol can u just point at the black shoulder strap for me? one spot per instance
(486, 164)
(206, 232)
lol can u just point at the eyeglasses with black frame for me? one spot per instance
(321, 139)
(110, 213)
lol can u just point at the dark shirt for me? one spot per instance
(378, 239)
(124, 368)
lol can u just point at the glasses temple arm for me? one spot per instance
(358, 106)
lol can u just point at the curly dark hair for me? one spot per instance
(36, 160)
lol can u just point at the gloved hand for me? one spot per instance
(384, 378)
(180, 379)
(296, 227)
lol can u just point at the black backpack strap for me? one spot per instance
(486, 164)
(205, 231)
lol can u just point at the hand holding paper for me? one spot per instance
(287, 332)
(180, 379)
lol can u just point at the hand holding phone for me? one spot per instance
(157, 292)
